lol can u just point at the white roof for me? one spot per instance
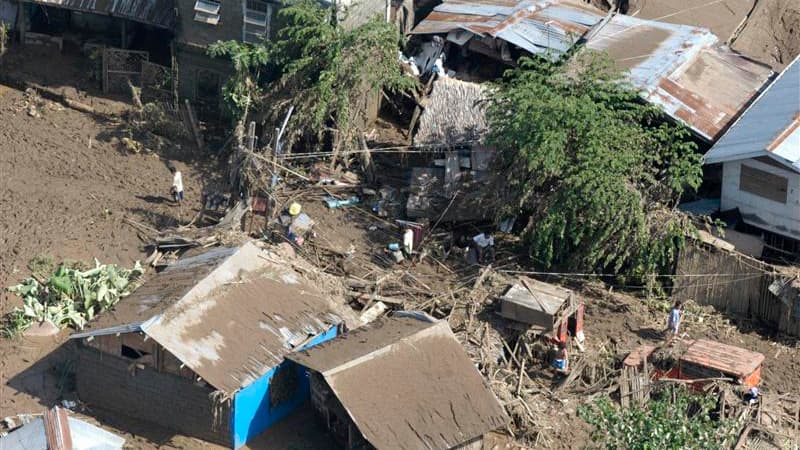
(769, 127)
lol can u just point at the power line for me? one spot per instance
(602, 275)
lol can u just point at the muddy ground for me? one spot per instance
(66, 183)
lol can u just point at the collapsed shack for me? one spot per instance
(199, 347)
(684, 70)
(430, 394)
(544, 309)
(452, 126)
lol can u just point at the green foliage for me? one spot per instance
(327, 72)
(241, 90)
(675, 420)
(70, 297)
(598, 170)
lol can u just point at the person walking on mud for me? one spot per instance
(177, 185)
(674, 321)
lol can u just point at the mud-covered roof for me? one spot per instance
(159, 13)
(230, 314)
(406, 383)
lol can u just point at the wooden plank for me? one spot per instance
(193, 123)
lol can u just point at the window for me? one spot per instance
(207, 11)
(257, 16)
(763, 183)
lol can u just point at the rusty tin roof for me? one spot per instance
(159, 13)
(769, 127)
(682, 69)
(230, 314)
(55, 430)
(407, 383)
(725, 358)
(545, 27)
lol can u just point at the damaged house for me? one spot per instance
(199, 348)
(760, 158)
(401, 382)
(684, 70)
(453, 137)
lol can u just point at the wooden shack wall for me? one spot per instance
(735, 283)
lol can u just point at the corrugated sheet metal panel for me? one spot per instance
(159, 13)
(683, 70)
(765, 128)
(56, 429)
(539, 27)
(725, 358)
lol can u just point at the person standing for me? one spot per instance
(177, 184)
(674, 321)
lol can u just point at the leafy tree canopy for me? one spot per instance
(598, 170)
(676, 420)
(241, 90)
(327, 71)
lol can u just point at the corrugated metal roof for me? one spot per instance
(682, 69)
(230, 314)
(159, 13)
(544, 27)
(407, 383)
(56, 431)
(769, 127)
(725, 358)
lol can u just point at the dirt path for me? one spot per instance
(65, 185)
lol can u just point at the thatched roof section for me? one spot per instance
(454, 113)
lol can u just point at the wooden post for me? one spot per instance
(21, 21)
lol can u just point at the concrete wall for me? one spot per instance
(252, 411)
(115, 384)
(190, 62)
(202, 34)
(780, 218)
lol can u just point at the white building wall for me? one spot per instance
(780, 218)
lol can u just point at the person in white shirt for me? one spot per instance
(177, 185)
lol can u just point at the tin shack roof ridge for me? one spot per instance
(770, 126)
(229, 314)
(431, 395)
(158, 13)
(548, 28)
